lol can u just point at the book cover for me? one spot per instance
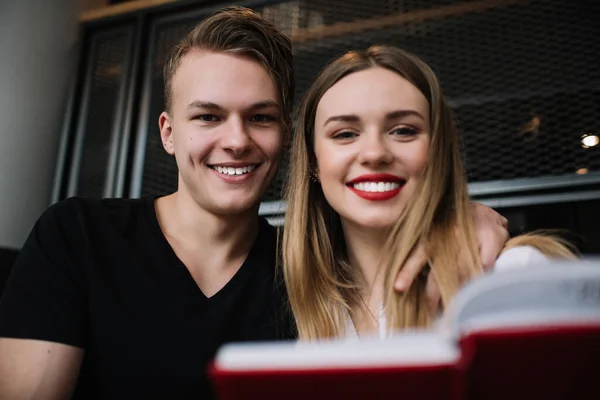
(520, 334)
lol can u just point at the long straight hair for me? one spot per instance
(320, 282)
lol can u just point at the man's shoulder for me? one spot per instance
(89, 205)
(96, 208)
(76, 215)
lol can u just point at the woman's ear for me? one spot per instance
(313, 169)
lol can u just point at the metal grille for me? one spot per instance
(521, 75)
(106, 79)
(160, 169)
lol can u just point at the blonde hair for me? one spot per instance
(319, 280)
(239, 30)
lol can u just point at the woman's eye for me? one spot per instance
(344, 135)
(208, 118)
(405, 131)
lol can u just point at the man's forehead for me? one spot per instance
(198, 64)
(223, 79)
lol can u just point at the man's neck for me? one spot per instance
(212, 247)
(180, 216)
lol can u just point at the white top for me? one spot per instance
(517, 257)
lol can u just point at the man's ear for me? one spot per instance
(166, 132)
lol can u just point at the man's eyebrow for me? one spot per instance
(208, 105)
(205, 104)
(259, 105)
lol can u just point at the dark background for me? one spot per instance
(522, 78)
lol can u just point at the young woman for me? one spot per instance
(377, 174)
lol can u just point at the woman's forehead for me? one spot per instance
(374, 91)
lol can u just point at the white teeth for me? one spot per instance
(234, 171)
(376, 186)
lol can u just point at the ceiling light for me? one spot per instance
(589, 140)
(582, 171)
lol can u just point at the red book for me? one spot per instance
(523, 334)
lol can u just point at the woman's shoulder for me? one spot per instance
(520, 256)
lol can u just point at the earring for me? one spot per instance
(313, 175)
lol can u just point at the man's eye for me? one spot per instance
(208, 118)
(262, 118)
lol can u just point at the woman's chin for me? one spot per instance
(374, 223)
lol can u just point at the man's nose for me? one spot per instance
(236, 138)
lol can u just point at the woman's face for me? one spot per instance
(371, 140)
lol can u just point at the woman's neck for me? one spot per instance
(364, 249)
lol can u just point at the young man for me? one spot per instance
(131, 299)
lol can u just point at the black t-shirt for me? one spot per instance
(100, 275)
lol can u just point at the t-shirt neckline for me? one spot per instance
(239, 278)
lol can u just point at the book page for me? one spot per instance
(408, 349)
(552, 292)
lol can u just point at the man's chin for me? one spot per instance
(236, 206)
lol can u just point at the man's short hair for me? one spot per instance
(240, 30)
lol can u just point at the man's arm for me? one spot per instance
(36, 369)
(43, 310)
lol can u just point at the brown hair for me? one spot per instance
(240, 30)
(320, 282)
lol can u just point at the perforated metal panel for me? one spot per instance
(522, 76)
(160, 170)
(101, 103)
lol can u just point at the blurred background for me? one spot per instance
(82, 90)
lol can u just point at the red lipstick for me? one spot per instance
(376, 196)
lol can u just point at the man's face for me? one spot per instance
(224, 130)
